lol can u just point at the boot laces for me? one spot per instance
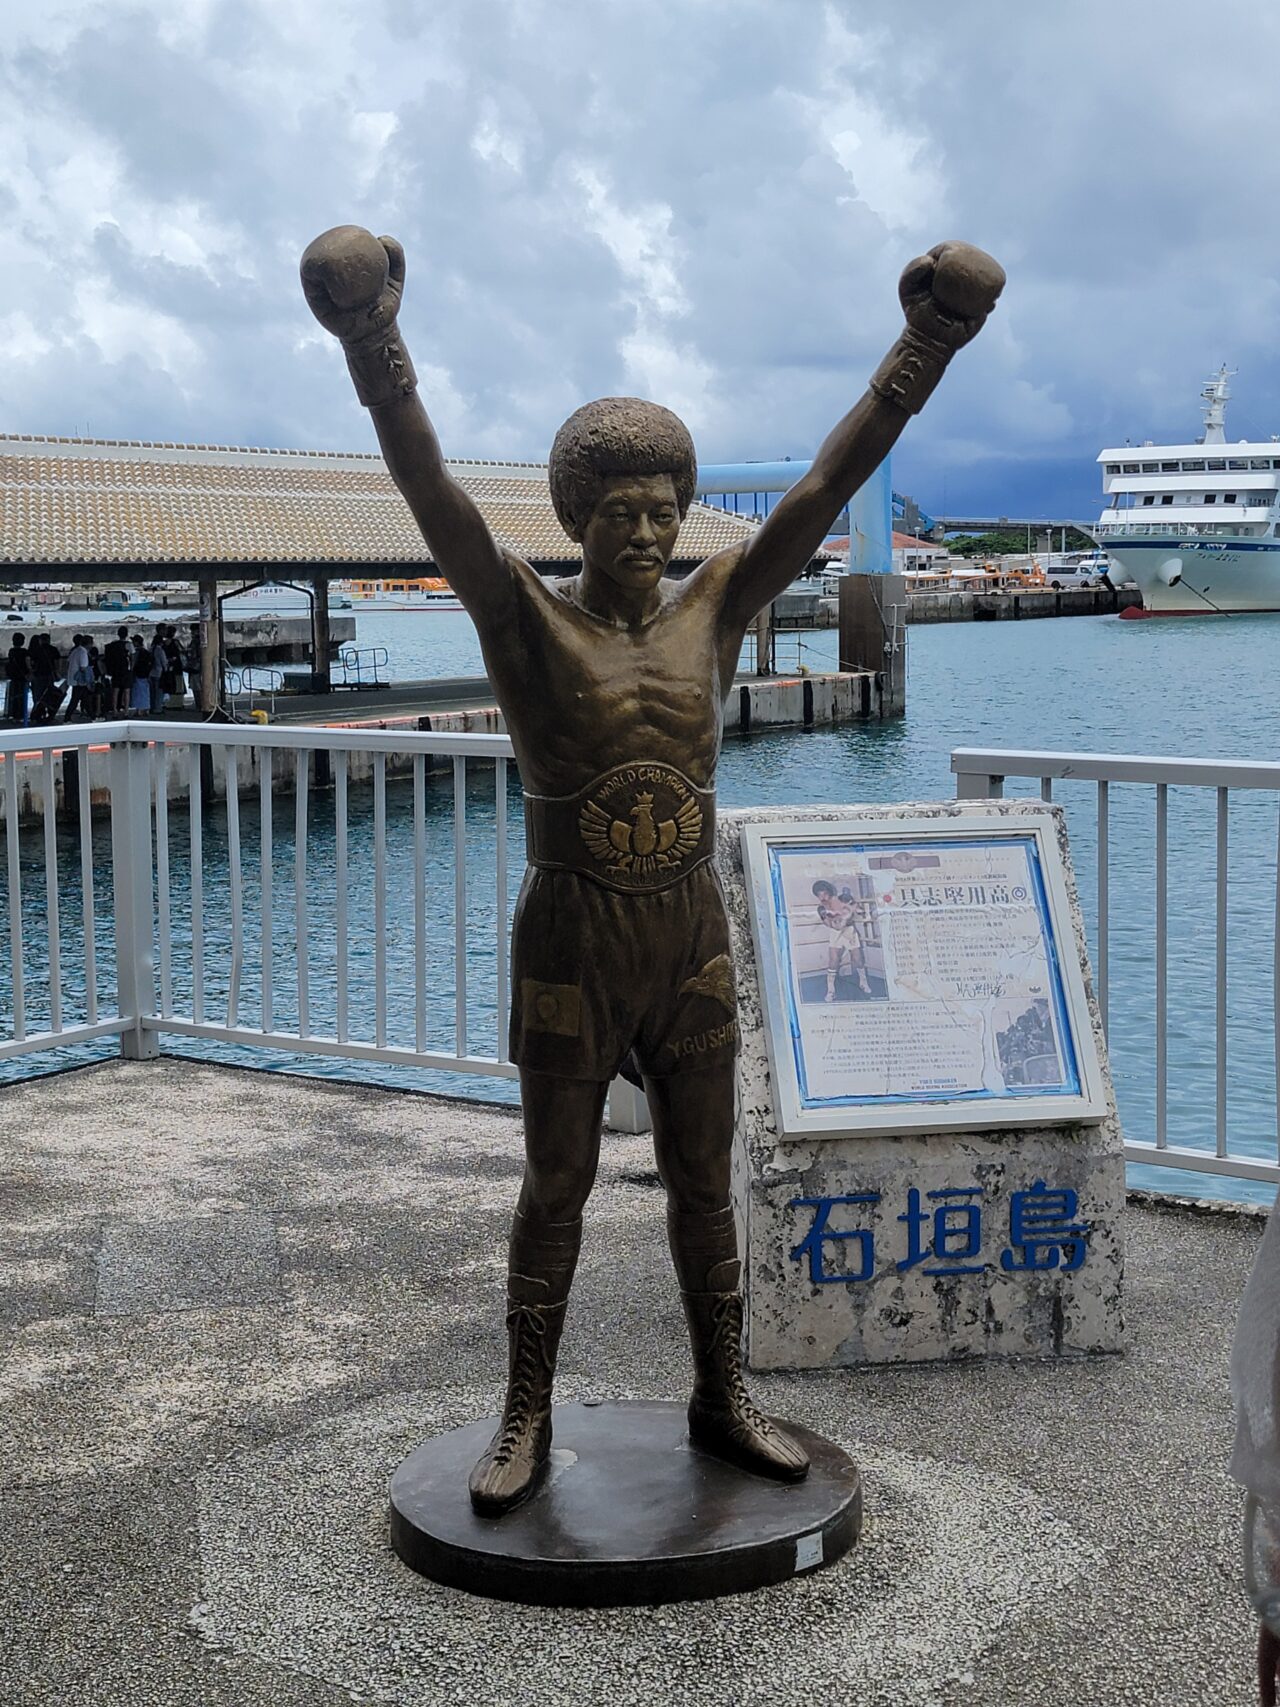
(726, 1344)
(530, 1362)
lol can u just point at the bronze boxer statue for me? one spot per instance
(611, 684)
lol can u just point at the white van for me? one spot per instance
(1079, 569)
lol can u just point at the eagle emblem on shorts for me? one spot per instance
(714, 980)
(641, 833)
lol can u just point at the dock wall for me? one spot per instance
(970, 607)
(1018, 606)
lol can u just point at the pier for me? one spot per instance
(1026, 604)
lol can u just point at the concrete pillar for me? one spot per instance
(764, 641)
(209, 688)
(321, 673)
(873, 633)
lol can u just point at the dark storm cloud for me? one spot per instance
(704, 200)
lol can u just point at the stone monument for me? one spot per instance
(611, 684)
(948, 1182)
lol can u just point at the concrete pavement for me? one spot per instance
(230, 1301)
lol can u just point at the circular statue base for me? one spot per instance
(628, 1513)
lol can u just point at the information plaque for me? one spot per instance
(923, 973)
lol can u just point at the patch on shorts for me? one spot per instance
(551, 1007)
(714, 980)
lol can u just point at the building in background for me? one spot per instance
(912, 556)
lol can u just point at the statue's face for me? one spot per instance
(632, 531)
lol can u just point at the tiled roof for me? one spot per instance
(103, 501)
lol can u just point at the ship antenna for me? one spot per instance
(1215, 395)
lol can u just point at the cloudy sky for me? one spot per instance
(703, 201)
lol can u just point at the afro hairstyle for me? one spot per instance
(617, 436)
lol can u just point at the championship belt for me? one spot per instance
(638, 828)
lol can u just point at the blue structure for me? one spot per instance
(753, 488)
(926, 523)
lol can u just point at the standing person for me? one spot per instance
(140, 693)
(173, 682)
(44, 663)
(159, 671)
(18, 670)
(195, 668)
(839, 913)
(79, 679)
(119, 672)
(100, 689)
(612, 684)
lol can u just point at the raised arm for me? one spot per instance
(946, 296)
(353, 283)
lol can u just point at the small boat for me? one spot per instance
(425, 592)
(121, 599)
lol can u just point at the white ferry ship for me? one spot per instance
(1195, 525)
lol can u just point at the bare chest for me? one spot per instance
(580, 696)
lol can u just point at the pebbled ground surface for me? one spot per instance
(231, 1301)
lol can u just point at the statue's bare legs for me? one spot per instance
(693, 1131)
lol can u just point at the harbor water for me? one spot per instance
(1199, 688)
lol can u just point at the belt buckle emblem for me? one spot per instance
(641, 823)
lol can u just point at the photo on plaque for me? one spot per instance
(913, 969)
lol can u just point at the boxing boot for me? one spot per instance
(543, 1255)
(723, 1418)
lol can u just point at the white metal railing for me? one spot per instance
(186, 928)
(1155, 914)
(1156, 529)
(30, 1030)
(346, 893)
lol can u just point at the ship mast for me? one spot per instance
(1215, 396)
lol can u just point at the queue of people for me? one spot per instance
(130, 676)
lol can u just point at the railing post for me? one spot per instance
(131, 865)
(978, 785)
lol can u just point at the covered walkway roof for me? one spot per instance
(75, 506)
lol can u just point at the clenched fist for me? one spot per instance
(353, 282)
(947, 294)
(946, 297)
